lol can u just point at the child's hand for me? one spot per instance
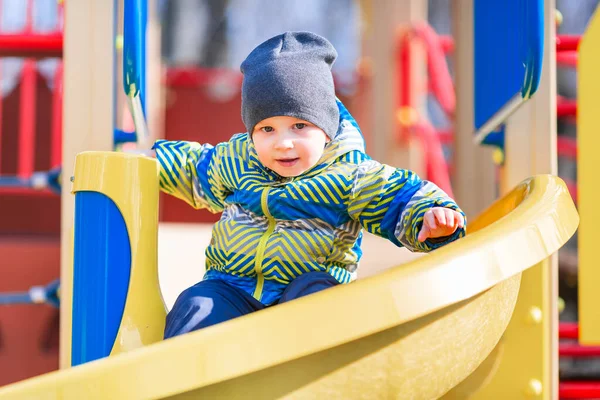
(440, 222)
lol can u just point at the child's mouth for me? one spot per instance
(287, 162)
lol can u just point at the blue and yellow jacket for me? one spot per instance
(273, 229)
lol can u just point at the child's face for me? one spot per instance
(287, 145)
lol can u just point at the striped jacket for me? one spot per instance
(273, 229)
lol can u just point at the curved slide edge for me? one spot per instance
(518, 231)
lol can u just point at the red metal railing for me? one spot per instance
(579, 390)
(410, 122)
(33, 45)
(576, 389)
(56, 134)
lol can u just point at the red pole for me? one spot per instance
(567, 147)
(438, 73)
(568, 330)
(405, 109)
(566, 59)
(56, 138)
(26, 163)
(567, 42)
(437, 169)
(566, 108)
(447, 43)
(579, 390)
(1, 97)
(575, 350)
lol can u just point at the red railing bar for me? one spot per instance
(579, 390)
(576, 350)
(27, 113)
(566, 147)
(32, 45)
(568, 330)
(566, 108)
(56, 133)
(566, 58)
(567, 42)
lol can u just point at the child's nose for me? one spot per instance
(284, 143)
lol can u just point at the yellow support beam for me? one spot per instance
(88, 121)
(131, 182)
(525, 365)
(588, 187)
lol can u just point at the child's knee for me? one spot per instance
(204, 304)
(308, 283)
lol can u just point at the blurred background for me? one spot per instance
(196, 47)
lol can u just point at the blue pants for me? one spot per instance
(212, 301)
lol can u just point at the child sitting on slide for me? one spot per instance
(295, 191)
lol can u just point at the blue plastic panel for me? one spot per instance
(508, 51)
(135, 20)
(101, 270)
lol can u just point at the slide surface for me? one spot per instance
(390, 334)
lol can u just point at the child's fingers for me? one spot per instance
(424, 234)
(429, 219)
(450, 220)
(440, 215)
(461, 221)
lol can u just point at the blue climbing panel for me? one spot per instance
(101, 271)
(508, 51)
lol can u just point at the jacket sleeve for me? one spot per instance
(191, 172)
(391, 203)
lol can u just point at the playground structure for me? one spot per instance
(534, 305)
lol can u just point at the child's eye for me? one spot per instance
(267, 129)
(299, 125)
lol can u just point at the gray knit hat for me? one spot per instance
(290, 75)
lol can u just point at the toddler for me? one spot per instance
(295, 191)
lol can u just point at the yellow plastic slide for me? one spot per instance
(414, 331)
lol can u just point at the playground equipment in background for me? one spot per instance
(534, 385)
(35, 295)
(37, 181)
(587, 331)
(409, 308)
(436, 47)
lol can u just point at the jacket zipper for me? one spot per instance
(262, 244)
